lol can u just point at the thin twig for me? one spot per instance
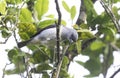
(4, 42)
(3, 75)
(115, 73)
(112, 16)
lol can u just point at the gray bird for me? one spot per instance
(47, 36)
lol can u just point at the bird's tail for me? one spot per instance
(23, 43)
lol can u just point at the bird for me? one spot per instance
(47, 36)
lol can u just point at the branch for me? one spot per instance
(59, 60)
(82, 14)
(112, 16)
(58, 29)
(3, 75)
(115, 73)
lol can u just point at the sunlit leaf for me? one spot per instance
(66, 7)
(26, 30)
(2, 7)
(73, 12)
(63, 22)
(46, 23)
(85, 34)
(25, 15)
(14, 1)
(50, 16)
(84, 26)
(41, 7)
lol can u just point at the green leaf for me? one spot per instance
(2, 7)
(115, 12)
(101, 19)
(89, 7)
(40, 56)
(41, 68)
(50, 16)
(64, 74)
(117, 43)
(46, 23)
(97, 45)
(5, 33)
(65, 62)
(12, 53)
(19, 70)
(115, 1)
(26, 30)
(73, 12)
(63, 22)
(17, 59)
(66, 7)
(91, 13)
(109, 33)
(14, 1)
(41, 7)
(84, 26)
(85, 34)
(45, 75)
(25, 15)
(78, 44)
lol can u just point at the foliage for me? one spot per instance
(27, 20)
(103, 45)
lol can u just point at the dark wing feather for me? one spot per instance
(23, 43)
